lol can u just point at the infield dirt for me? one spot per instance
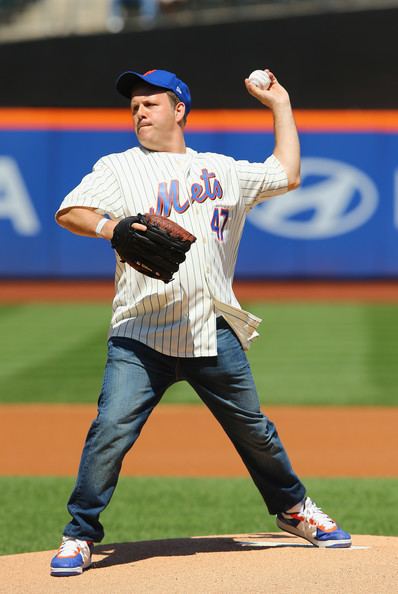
(248, 564)
(193, 444)
(87, 290)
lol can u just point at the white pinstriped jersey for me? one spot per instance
(207, 194)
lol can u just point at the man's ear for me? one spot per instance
(180, 111)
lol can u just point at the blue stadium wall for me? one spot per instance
(341, 223)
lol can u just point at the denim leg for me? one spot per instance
(134, 381)
(225, 384)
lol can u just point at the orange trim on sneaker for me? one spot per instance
(68, 556)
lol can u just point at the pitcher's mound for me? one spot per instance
(248, 563)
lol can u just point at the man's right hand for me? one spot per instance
(271, 97)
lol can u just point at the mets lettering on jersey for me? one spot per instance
(208, 194)
(170, 198)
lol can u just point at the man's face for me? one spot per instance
(154, 117)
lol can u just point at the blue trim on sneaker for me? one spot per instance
(337, 534)
(75, 563)
(68, 566)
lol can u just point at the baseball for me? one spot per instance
(261, 79)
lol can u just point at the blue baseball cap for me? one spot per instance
(158, 78)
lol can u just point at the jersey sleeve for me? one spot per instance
(99, 190)
(259, 181)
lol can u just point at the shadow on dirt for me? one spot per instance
(131, 552)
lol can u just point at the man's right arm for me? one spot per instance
(287, 146)
(84, 221)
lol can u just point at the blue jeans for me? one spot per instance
(136, 377)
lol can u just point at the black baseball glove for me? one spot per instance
(156, 252)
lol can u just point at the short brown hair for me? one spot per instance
(174, 100)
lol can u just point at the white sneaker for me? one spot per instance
(314, 525)
(72, 558)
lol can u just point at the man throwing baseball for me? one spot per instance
(175, 218)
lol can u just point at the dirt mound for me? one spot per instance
(255, 563)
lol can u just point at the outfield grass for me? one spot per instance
(32, 510)
(317, 353)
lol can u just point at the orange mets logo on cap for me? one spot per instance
(149, 72)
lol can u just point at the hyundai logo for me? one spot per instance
(335, 198)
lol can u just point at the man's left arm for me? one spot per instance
(287, 145)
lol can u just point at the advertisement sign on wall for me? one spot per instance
(341, 223)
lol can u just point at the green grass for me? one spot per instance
(317, 353)
(32, 510)
(52, 352)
